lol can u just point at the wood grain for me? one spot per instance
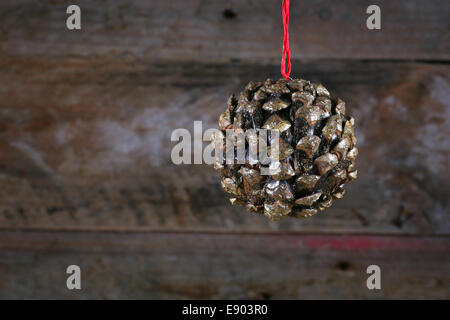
(85, 170)
(197, 30)
(86, 145)
(211, 266)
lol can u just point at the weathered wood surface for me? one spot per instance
(197, 30)
(212, 266)
(85, 124)
(86, 146)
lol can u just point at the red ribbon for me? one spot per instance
(286, 49)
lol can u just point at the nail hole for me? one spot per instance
(343, 265)
(229, 14)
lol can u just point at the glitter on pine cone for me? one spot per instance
(316, 150)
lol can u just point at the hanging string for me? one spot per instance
(286, 69)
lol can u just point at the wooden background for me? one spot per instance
(85, 170)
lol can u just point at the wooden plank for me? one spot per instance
(197, 30)
(85, 145)
(211, 266)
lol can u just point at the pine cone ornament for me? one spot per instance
(316, 148)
